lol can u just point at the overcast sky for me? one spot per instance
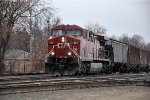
(117, 16)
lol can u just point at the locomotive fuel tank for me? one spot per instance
(96, 67)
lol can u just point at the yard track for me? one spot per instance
(30, 83)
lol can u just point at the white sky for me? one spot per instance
(117, 16)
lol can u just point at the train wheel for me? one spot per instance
(83, 69)
(106, 69)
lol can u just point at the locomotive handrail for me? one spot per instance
(75, 54)
(50, 51)
(106, 55)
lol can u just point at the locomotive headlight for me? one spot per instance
(63, 39)
(50, 37)
(52, 53)
(69, 53)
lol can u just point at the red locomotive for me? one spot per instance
(74, 50)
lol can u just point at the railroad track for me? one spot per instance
(39, 76)
(4, 83)
(66, 82)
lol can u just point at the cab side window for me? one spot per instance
(91, 36)
(84, 34)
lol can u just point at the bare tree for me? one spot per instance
(52, 22)
(138, 41)
(23, 40)
(40, 26)
(148, 46)
(125, 38)
(10, 12)
(41, 35)
(114, 37)
(135, 40)
(96, 28)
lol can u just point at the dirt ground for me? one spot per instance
(102, 93)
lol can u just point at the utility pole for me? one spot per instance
(48, 23)
(30, 24)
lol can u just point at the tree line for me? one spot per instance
(135, 40)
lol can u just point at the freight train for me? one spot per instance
(73, 50)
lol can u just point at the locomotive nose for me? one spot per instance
(63, 50)
(64, 46)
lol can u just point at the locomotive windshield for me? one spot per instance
(58, 32)
(69, 32)
(73, 32)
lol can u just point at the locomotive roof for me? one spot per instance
(67, 27)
